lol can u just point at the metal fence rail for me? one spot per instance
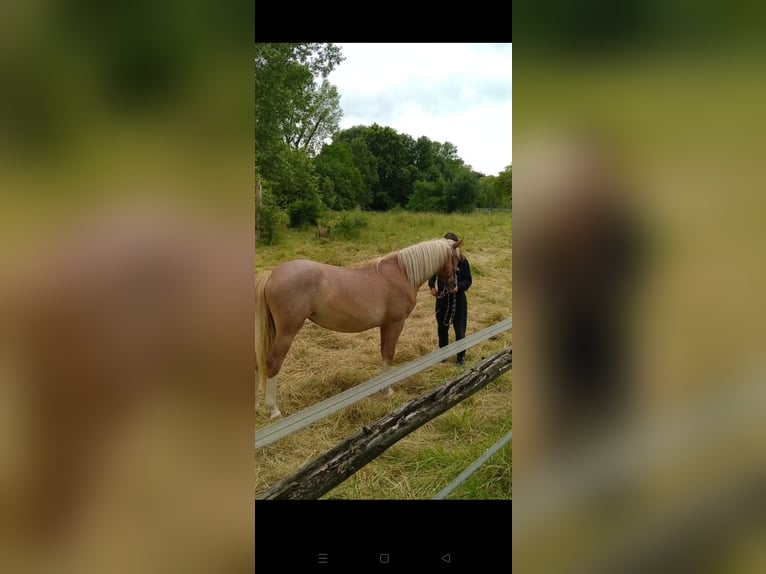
(314, 413)
(463, 476)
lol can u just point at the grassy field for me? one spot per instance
(322, 363)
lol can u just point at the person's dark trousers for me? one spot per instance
(459, 323)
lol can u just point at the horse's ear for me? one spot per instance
(457, 244)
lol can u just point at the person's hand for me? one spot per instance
(433, 291)
(454, 290)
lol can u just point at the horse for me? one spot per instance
(380, 294)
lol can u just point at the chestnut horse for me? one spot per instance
(349, 300)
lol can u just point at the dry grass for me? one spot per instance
(322, 363)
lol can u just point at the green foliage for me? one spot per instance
(460, 193)
(427, 196)
(295, 179)
(327, 193)
(317, 118)
(495, 191)
(305, 211)
(342, 186)
(270, 220)
(349, 226)
(447, 159)
(504, 188)
(396, 173)
(420, 175)
(367, 164)
(381, 201)
(292, 108)
(485, 192)
(385, 160)
(424, 158)
(371, 167)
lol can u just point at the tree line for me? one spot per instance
(304, 164)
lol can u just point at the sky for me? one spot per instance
(457, 93)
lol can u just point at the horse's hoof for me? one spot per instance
(275, 413)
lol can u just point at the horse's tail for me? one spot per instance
(265, 331)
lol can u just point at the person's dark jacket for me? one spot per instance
(464, 279)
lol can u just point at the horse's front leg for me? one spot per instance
(389, 335)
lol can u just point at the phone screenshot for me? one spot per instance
(383, 306)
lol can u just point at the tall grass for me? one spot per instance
(322, 363)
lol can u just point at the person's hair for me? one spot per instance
(454, 237)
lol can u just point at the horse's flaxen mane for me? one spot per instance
(421, 260)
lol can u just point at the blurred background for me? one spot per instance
(126, 268)
(639, 394)
(126, 178)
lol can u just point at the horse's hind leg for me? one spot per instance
(274, 364)
(389, 335)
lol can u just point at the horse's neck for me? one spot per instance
(389, 267)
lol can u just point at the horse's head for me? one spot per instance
(448, 271)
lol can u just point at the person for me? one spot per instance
(452, 307)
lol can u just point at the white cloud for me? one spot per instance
(459, 93)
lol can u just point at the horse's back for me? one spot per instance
(344, 299)
(295, 278)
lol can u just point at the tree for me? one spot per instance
(424, 158)
(460, 193)
(352, 134)
(447, 160)
(295, 187)
(427, 196)
(293, 112)
(343, 186)
(504, 187)
(396, 172)
(367, 164)
(420, 175)
(485, 192)
(313, 123)
(286, 94)
(364, 160)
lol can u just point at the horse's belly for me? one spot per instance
(345, 322)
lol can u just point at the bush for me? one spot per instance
(427, 196)
(305, 211)
(349, 226)
(270, 220)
